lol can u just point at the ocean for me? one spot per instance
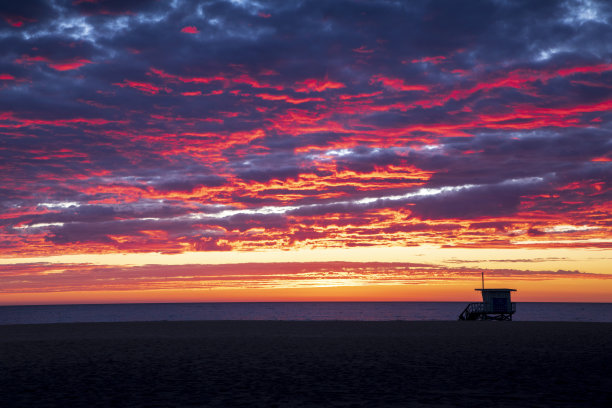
(366, 311)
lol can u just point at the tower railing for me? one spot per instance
(480, 311)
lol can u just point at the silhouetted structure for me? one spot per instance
(496, 305)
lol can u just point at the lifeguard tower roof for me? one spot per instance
(497, 290)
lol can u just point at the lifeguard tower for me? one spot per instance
(496, 305)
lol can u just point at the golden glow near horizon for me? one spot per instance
(538, 274)
(554, 290)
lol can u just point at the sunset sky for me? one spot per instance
(168, 151)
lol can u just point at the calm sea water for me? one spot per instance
(573, 312)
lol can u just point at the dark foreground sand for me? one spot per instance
(339, 364)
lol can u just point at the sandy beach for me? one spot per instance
(306, 364)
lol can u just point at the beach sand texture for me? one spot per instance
(306, 364)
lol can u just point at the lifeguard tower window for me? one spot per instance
(500, 305)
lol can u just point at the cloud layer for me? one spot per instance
(139, 126)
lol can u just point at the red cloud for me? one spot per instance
(20, 122)
(362, 95)
(397, 84)
(65, 65)
(228, 80)
(17, 21)
(315, 85)
(363, 50)
(176, 78)
(190, 30)
(432, 60)
(288, 99)
(246, 79)
(141, 86)
(523, 79)
(14, 22)
(585, 69)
